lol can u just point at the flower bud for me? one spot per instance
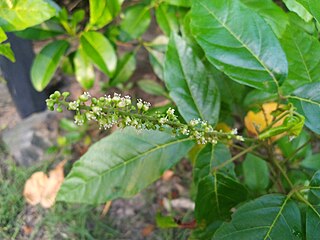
(83, 98)
(66, 94)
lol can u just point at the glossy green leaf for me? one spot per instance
(298, 8)
(136, 21)
(313, 223)
(210, 157)
(41, 32)
(152, 87)
(239, 42)
(180, 3)
(257, 97)
(272, 14)
(83, 69)
(20, 14)
(5, 50)
(125, 68)
(3, 35)
(308, 100)
(100, 51)
(297, 22)
(167, 19)
(77, 17)
(256, 173)
(314, 8)
(311, 162)
(314, 193)
(102, 12)
(216, 195)
(190, 85)
(46, 63)
(121, 165)
(303, 54)
(268, 217)
(313, 210)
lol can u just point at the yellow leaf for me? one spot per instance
(257, 122)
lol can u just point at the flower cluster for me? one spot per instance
(122, 112)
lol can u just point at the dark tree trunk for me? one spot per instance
(17, 75)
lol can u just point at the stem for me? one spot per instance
(235, 157)
(282, 115)
(297, 150)
(297, 194)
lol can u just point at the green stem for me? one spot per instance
(249, 149)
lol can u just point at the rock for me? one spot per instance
(28, 141)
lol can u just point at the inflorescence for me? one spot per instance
(109, 111)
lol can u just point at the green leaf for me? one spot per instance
(20, 14)
(190, 84)
(298, 8)
(313, 222)
(309, 102)
(46, 63)
(167, 19)
(314, 193)
(303, 54)
(297, 22)
(313, 210)
(83, 69)
(268, 217)
(216, 195)
(314, 8)
(102, 12)
(152, 87)
(256, 173)
(41, 32)
(100, 51)
(272, 14)
(239, 42)
(5, 50)
(209, 157)
(165, 221)
(136, 21)
(3, 35)
(311, 162)
(68, 125)
(121, 165)
(257, 97)
(125, 68)
(157, 62)
(180, 3)
(288, 148)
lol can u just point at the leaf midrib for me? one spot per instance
(188, 85)
(301, 56)
(277, 217)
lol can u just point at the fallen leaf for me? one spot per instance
(257, 122)
(167, 175)
(146, 231)
(27, 230)
(34, 187)
(43, 189)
